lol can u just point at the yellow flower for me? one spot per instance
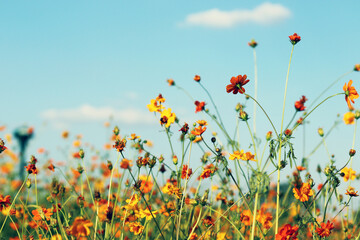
(167, 117)
(349, 118)
(146, 214)
(80, 227)
(237, 155)
(154, 106)
(349, 173)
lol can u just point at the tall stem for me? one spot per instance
(255, 94)
(280, 143)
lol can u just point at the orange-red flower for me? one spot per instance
(4, 201)
(186, 172)
(350, 94)
(299, 105)
(325, 229)
(294, 39)
(80, 227)
(51, 167)
(287, 232)
(197, 78)
(200, 106)
(125, 164)
(303, 193)
(2, 146)
(120, 144)
(237, 84)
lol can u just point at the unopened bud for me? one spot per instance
(268, 135)
(352, 152)
(175, 160)
(321, 132)
(357, 114)
(81, 153)
(243, 115)
(116, 130)
(28, 183)
(109, 165)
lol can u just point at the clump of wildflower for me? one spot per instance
(351, 192)
(325, 229)
(303, 193)
(237, 84)
(287, 232)
(299, 105)
(252, 43)
(156, 104)
(120, 144)
(208, 171)
(350, 94)
(294, 39)
(31, 168)
(241, 155)
(170, 189)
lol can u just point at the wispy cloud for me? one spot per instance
(88, 113)
(264, 14)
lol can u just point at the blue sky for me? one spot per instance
(68, 65)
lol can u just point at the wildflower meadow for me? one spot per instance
(234, 190)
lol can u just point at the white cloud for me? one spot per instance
(88, 113)
(264, 14)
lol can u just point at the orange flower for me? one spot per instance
(136, 228)
(202, 122)
(198, 131)
(171, 82)
(120, 144)
(237, 84)
(294, 39)
(125, 164)
(287, 232)
(45, 213)
(349, 173)
(206, 173)
(350, 94)
(303, 193)
(51, 167)
(200, 106)
(4, 201)
(197, 78)
(80, 227)
(186, 172)
(351, 192)
(264, 218)
(146, 184)
(300, 168)
(245, 217)
(299, 105)
(325, 229)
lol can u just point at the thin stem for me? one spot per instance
(280, 142)
(255, 94)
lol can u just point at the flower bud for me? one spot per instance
(28, 183)
(152, 162)
(197, 78)
(243, 115)
(175, 160)
(288, 133)
(268, 135)
(109, 165)
(81, 153)
(357, 114)
(352, 152)
(116, 130)
(213, 139)
(321, 132)
(161, 158)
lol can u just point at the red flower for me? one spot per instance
(4, 201)
(237, 84)
(299, 105)
(2, 146)
(288, 132)
(294, 39)
(287, 232)
(200, 106)
(185, 128)
(197, 78)
(325, 229)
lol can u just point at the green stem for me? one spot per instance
(280, 143)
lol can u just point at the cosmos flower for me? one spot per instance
(350, 94)
(294, 39)
(237, 84)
